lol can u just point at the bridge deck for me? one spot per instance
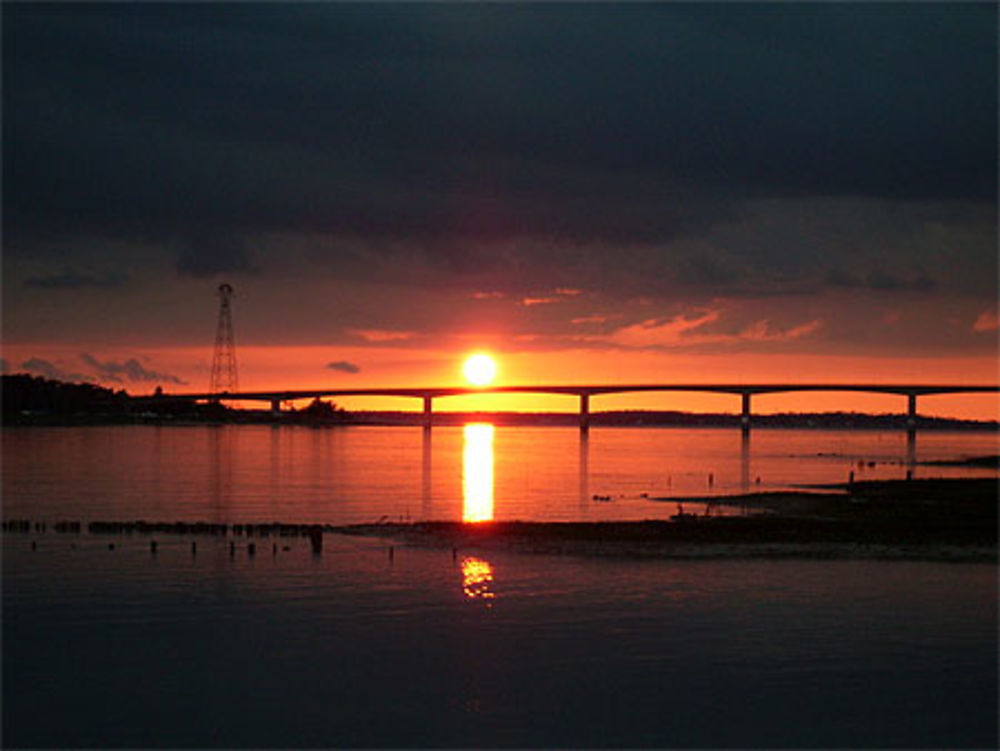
(584, 392)
(594, 390)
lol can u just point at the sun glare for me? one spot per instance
(479, 369)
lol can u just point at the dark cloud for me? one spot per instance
(344, 367)
(880, 280)
(681, 152)
(70, 279)
(115, 372)
(42, 367)
(702, 270)
(213, 252)
(491, 120)
(130, 369)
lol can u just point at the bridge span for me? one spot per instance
(585, 392)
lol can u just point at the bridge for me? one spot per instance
(745, 391)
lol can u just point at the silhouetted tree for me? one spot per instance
(26, 393)
(324, 411)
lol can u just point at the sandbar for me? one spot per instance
(940, 520)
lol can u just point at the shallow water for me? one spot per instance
(351, 648)
(119, 647)
(258, 473)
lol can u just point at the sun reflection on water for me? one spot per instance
(477, 577)
(477, 473)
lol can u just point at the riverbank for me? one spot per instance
(940, 520)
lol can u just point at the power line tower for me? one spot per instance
(224, 359)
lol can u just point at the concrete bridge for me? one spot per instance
(745, 391)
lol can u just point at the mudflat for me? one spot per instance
(933, 519)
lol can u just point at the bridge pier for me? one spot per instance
(911, 414)
(746, 391)
(427, 411)
(745, 413)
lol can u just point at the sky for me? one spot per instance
(593, 193)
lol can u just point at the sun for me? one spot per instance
(479, 369)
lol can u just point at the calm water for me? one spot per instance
(360, 474)
(121, 647)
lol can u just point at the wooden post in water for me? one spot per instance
(316, 540)
(427, 411)
(584, 411)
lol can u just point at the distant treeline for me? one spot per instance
(34, 399)
(29, 399)
(848, 420)
(26, 393)
(636, 418)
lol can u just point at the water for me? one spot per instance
(111, 648)
(120, 647)
(360, 474)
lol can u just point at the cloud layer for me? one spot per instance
(127, 371)
(397, 175)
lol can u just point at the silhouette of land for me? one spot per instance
(932, 519)
(654, 418)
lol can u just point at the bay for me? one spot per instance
(109, 644)
(342, 475)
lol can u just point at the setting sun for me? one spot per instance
(479, 369)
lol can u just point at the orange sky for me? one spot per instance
(264, 368)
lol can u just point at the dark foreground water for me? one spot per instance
(354, 648)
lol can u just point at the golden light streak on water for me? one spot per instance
(477, 576)
(477, 473)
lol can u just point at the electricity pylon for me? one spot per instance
(224, 359)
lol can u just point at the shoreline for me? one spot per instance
(929, 520)
(656, 540)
